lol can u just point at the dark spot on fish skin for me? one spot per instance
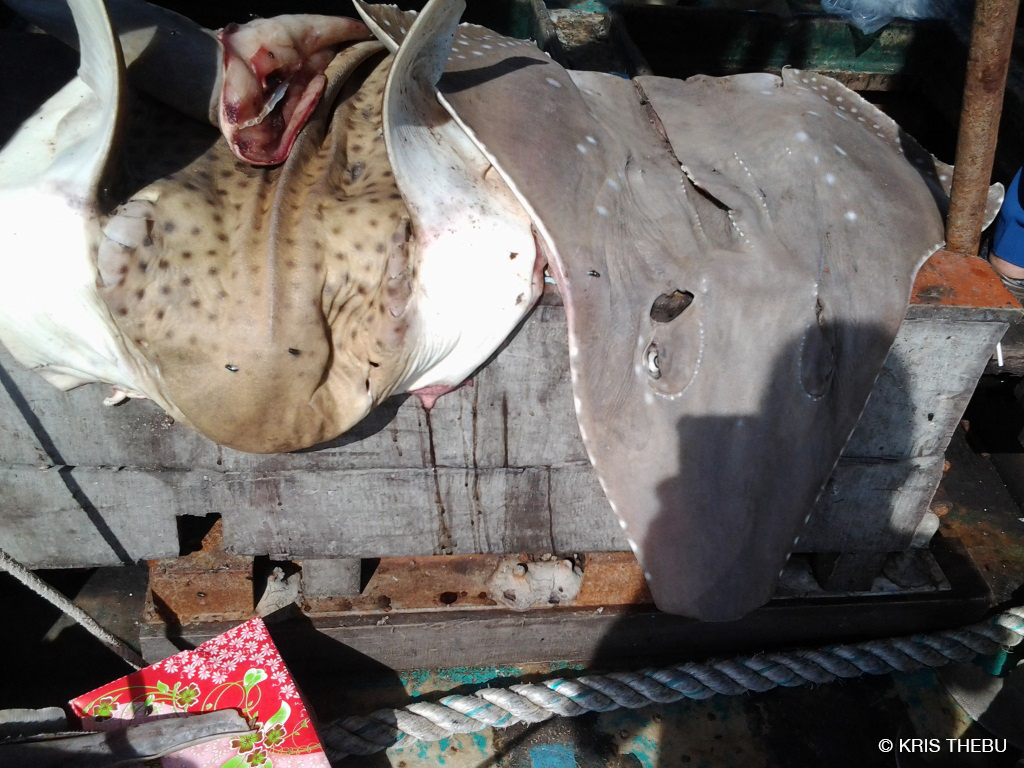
(168, 226)
(512, 256)
(222, 237)
(186, 255)
(140, 293)
(593, 273)
(160, 314)
(195, 303)
(193, 340)
(165, 290)
(294, 351)
(186, 280)
(373, 364)
(211, 252)
(142, 266)
(232, 368)
(222, 294)
(519, 299)
(122, 311)
(195, 231)
(212, 271)
(163, 264)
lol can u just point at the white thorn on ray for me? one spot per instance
(552, 82)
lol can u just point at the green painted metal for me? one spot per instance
(679, 42)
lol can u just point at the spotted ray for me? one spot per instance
(272, 309)
(732, 277)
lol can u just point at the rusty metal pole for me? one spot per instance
(987, 65)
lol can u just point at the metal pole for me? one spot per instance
(987, 64)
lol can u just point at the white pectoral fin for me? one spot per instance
(85, 137)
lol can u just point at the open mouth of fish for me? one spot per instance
(735, 255)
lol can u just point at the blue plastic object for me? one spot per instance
(1008, 243)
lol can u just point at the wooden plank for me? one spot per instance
(112, 518)
(511, 474)
(923, 388)
(872, 507)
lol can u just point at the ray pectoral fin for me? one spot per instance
(274, 77)
(85, 164)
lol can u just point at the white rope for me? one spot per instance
(55, 598)
(531, 703)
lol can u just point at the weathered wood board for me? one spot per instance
(495, 467)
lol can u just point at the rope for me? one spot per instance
(532, 703)
(55, 598)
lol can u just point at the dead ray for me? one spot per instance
(733, 280)
(269, 309)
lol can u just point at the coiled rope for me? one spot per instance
(532, 703)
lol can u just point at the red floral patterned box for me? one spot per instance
(240, 670)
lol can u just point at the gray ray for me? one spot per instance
(735, 256)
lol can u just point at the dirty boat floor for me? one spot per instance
(50, 660)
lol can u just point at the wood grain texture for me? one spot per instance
(495, 467)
